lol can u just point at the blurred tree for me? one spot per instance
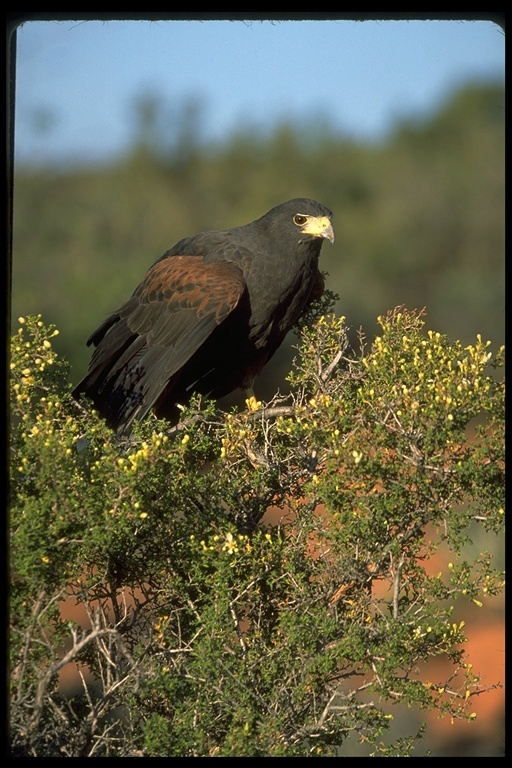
(419, 218)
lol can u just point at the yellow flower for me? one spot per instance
(230, 544)
(253, 404)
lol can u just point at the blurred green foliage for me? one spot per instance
(419, 217)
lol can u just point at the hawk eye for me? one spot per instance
(299, 219)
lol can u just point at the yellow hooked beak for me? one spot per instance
(319, 226)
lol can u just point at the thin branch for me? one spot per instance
(78, 646)
(236, 624)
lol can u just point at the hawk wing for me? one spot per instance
(146, 343)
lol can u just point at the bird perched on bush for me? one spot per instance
(208, 315)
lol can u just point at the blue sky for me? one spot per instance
(77, 80)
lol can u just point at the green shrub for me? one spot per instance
(255, 583)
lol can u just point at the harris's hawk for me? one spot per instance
(208, 315)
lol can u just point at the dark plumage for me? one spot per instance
(208, 315)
